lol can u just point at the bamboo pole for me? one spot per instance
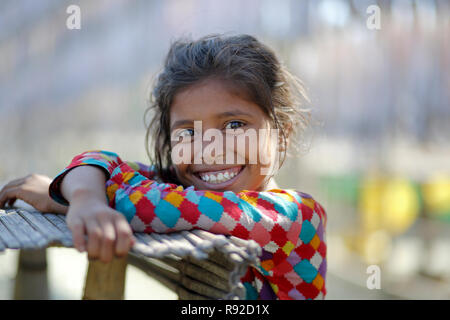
(105, 281)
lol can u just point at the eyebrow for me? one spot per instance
(179, 123)
(234, 114)
(225, 114)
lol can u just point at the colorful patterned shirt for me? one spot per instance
(287, 224)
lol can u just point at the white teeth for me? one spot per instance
(220, 177)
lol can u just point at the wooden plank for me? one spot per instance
(201, 288)
(27, 236)
(217, 239)
(141, 247)
(250, 245)
(177, 245)
(194, 278)
(221, 259)
(2, 246)
(8, 238)
(37, 220)
(164, 269)
(175, 248)
(34, 234)
(211, 266)
(195, 252)
(204, 245)
(158, 248)
(151, 240)
(234, 251)
(105, 281)
(200, 274)
(190, 249)
(184, 294)
(61, 225)
(31, 281)
(183, 286)
(65, 233)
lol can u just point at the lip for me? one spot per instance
(221, 185)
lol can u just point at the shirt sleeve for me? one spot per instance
(104, 160)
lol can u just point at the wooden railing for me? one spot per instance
(194, 264)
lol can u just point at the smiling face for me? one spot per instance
(218, 107)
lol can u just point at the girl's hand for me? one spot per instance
(108, 232)
(33, 189)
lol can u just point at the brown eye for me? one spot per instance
(187, 133)
(184, 133)
(234, 124)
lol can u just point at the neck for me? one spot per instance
(270, 184)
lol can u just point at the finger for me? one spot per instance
(14, 183)
(95, 235)
(108, 239)
(11, 201)
(78, 231)
(7, 194)
(124, 237)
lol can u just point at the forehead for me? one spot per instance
(209, 98)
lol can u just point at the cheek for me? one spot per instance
(181, 171)
(253, 178)
(243, 150)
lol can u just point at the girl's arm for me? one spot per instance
(108, 231)
(84, 180)
(105, 160)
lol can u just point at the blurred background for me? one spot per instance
(377, 155)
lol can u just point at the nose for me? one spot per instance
(209, 147)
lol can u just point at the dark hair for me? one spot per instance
(240, 60)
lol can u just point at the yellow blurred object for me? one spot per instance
(388, 207)
(369, 202)
(376, 247)
(400, 206)
(388, 204)
(373, 247)
(436, 194)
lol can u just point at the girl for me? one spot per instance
(231, 86)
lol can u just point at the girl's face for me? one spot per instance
(215, 106)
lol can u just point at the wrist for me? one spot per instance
(58, 208)
(86, 195)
